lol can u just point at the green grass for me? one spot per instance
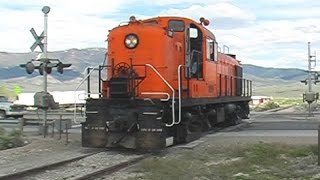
(282, 102)
(296, 102)
(288, 101)
(266, 106)
(4, 91)
(267, 161)
(258, 161)
(287, 90)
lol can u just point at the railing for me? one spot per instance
(60, 122)
(90, 70)
(179, 91)
(173, 95)
(158, 93)
(133, 80)
(133, 84)
(247, 87)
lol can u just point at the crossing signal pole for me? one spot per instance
(310, 96)
(45, 10)
(43, 99)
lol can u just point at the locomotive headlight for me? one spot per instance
(131, 41)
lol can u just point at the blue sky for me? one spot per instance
(271, 33)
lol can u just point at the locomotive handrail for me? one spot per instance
(224, 48)
(179, 91)
(83, 80)
(167, 83)
(159, 93)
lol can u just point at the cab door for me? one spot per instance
(194, 52)
(195, 61)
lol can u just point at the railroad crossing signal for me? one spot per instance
(38, 39)
(44, 66)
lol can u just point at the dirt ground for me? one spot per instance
(40, 151)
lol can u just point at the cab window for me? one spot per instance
(212, 50)
(176, 25)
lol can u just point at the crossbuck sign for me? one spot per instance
(38, 39)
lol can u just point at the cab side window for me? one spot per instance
(176, 25)
(212, 50)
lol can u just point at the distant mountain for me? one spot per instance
(79, 58)
(287, 74)
(11, 74)
(276, 82)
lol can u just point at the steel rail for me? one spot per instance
(40, 169)
(112, 169)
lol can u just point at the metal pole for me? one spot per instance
(88, 82)
(309, 77)
(60, 126)
(99, 83)
(45, 43)
(309, 68)
(319, 145)
(67, 133)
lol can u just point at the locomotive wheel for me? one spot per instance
(192, 129)
(206, 123)
(233, 119)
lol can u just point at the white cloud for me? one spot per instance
(184, 2)
(284, 2)
(295, 12)
(264, 32)
(92, 7)
(71, 24)
(276, 43)
(273, 43)
(222, 14)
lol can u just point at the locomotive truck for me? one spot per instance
(165, 82)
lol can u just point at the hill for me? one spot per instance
(11, 74)
(266, 81)
(287, 74)
(276, 82)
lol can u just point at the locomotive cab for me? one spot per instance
(166, 83)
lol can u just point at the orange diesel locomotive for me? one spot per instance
(166, 82)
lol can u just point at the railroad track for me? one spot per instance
(112, 169)
(89, 166)
(94, 165)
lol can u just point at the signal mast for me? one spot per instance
(311, 96)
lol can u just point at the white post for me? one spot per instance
(45, 10)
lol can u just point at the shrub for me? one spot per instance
(266, 106)
(10, 139)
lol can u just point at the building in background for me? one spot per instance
(260, 99)
(64, 98)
